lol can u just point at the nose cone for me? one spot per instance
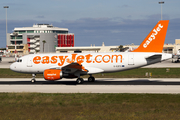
(13, 67)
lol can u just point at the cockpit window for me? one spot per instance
(19, 60)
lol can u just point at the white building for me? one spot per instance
(30, 39)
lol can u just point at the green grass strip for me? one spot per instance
(42, 106)
(134, 73)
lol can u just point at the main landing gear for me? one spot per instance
(33, 80)
(91, 79)
(81, 81)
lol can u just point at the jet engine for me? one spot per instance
(52, 74)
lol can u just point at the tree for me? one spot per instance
(121, 48)
(43, 44)
(37, 51)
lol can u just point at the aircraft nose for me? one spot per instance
(13, 67)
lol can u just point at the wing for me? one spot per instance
(73, 67)
(76, 68)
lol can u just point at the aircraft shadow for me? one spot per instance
(97, 82)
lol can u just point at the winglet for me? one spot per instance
(155, 40)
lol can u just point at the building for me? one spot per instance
(168, 48)
(66, 40)
(39, 38)
(87, 49)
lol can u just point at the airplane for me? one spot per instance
(55, 66)
(176, 56)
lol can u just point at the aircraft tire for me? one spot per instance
(91, 79)
(33, 80)
(79, 81)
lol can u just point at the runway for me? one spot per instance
(101, 85)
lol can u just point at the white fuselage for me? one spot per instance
(93, 62)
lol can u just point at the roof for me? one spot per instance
(41, 27)
(85, 48)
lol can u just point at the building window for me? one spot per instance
(18, 37)
(18, 42)
(20, 32)
(20, 47)
(11, 47)
(12, 37)
(30, 31)
(63, 51)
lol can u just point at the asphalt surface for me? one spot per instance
(101, 85)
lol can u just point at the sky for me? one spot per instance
(114, 22)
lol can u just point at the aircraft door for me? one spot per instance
(29, 62)
(131, 59)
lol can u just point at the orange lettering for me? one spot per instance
(62, 59)
(96, 58)
(37, 59)
(107, 60)
(73, 58)
(116, 58)
(88, 57)
(54, 59)
(80, 59)
(45, 60)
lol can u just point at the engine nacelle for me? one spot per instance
(52, 74)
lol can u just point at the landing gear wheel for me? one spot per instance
(33, 80)
(79, 81)
(91, 79)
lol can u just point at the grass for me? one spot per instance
(89, 106)
(135, 73)
(79, 106)
(140, 73)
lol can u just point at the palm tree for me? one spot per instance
(43, 44)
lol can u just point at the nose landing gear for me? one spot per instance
(33, 80)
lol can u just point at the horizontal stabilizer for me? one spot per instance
(157, 56)
(154, 58)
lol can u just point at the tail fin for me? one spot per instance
(155, 40)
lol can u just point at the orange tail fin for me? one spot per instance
(155, 40)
